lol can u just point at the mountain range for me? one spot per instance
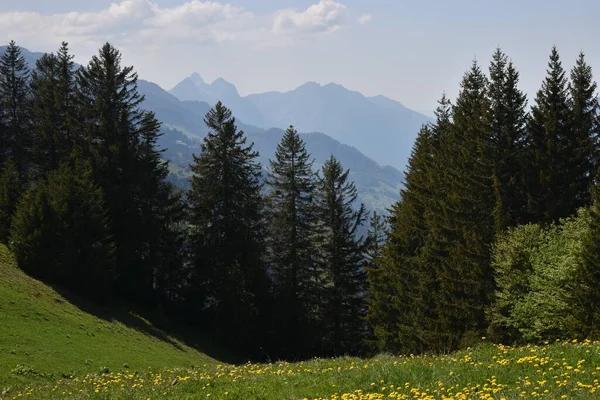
(382, 128)
(371, 124)
(183, 124)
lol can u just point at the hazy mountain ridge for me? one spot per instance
(193, 88)
(382, 128)
(183, 123)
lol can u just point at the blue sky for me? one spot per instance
(410, 51)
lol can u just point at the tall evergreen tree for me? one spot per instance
(53, 108)
(465, 276)
(341, 260)
(120, 139)
(403, 285)
(583, 137)
(548, 147)
(15, 140)
(227, 216)
(291, 252)
(508, 119)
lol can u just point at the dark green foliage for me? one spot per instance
(341, 260)
(291, 250)
(376, 237)
(120, 140)
(438, 250)
(508, 121)
(464, 223)
(549, 154)
(60, 232)
(15, 135)
(226, 214)
(583, 137)
(53, 109)
(403, 284)
(11, 189)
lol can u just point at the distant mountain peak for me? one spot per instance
(309, 85)
(383, 101)
(225, 87)
(196, 79)
(335, 85)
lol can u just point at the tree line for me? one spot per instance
(499, 214)
(496, 233)
(269, 260)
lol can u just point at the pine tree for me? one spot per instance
(11, 189)
(548, 147)
(53, 107)
(162, 214)
(120, 139)
(466, 225)
(508, 120)
(583, 137)
(226, 213)
(60, 232)
(291, 253)
(341, 260)
(15, 110)
(403, 284)
(376, 237)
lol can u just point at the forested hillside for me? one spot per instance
(487, 239)
(495, 235)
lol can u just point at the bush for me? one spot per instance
(536, 270)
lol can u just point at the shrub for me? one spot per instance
(536, 271)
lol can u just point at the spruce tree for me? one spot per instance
(291, 252)
(549, 145)
(60, 232)
(11, 189)
(466, 223)
(508, 119)
(120, 140)
(403, 284)
(342, 260)
(376, 237)
(583, 137)
(53, 91)
(227, 219)
(15, 141)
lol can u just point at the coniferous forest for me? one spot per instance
(497, 233)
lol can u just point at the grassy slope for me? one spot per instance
(50, 335)
(44, 331)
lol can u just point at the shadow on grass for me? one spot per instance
(152, 324)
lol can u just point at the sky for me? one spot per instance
(411, 51)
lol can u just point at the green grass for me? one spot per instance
(64, 346)
(556, 371)
(50, 336)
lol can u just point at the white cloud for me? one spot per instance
(325, 16)
(145, 23)
(365, 19)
